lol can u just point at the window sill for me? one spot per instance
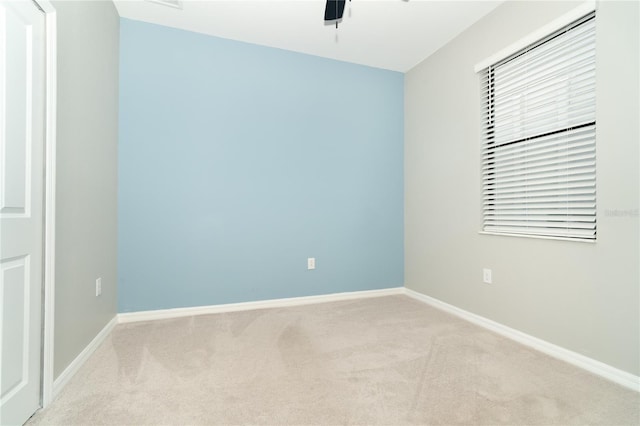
(538, 237)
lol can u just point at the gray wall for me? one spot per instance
(581, 296)
(86, 210)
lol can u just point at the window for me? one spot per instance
(538, 137)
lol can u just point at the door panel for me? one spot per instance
(21, 208)
(15, 182)
(15, 332)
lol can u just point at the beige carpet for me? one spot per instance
(388, 360)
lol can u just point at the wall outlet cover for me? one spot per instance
(486, 276)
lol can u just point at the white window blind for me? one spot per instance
(538, 138)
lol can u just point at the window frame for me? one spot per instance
(567, 22)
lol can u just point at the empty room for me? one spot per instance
(320, 212)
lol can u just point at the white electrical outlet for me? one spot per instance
(98, 286)
(486, 275)
(311, 263)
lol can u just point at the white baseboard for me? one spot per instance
(246, 306)
(601, 369)
(72, 369)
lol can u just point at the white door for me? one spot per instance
(22, 117)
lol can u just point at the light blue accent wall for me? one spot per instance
(237, 162)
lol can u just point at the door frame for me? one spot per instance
(48, 304)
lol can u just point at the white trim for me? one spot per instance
(569, 17)
(539, 237)
(246, 306)
(50, 198)
(176, 4)
(601, 369)
(79, 361)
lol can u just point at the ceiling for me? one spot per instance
(389, 34)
